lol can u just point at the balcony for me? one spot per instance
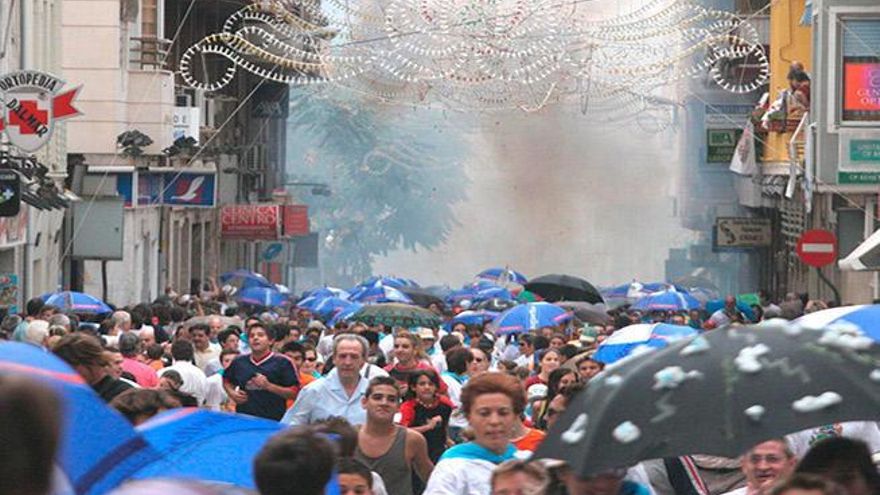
(148, 53)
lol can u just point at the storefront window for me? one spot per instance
(860, 49)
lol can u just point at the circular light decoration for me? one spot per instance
(482, 54)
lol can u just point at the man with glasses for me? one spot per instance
(391, 451)
(766, 463)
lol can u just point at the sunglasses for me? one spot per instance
(311, 359)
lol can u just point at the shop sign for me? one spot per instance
(10, 193)
(864, 150)
(33, 102)
(189, 189)
(721, 144)
(858, 177)
(296, 220)
(186, 123)
(859, 157)
(250, 222)
(742, 233)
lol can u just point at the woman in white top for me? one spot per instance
(492, 403)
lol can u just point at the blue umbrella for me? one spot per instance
(395, 282)
(77, 302)
(262, 296)
(324, 292)
(622, 342)
(503, 275)
(670, 300)
(208, 445)
(98, 447)
(309, 302)
(331, 305)
(530, 316)
(865, 316)
(378, 293)
(345, 314)
(473, 317)
(244, 279)
(493, 293)
(716, 304)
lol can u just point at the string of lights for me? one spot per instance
(481, 54)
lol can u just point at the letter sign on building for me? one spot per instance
(32, 103)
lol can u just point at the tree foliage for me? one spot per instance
(395, 176)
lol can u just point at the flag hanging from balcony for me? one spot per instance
(743, 161)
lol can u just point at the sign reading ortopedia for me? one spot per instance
(32, 103)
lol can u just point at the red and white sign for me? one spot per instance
(817, 247)
(296, 220)
(33, 102)
(250, 222)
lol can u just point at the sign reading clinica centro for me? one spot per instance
(32, 103)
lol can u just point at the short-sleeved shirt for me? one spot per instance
(278, 370)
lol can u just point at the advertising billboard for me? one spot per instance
(861, 89)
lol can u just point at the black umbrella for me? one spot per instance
(564, 288)
(720, 393)
(586, 312)
(422, 297)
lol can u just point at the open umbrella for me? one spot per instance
(622, 342)
(379, 293)
(262, 296)
(396, 315)
(495, 304)
(529, 316)
(473, 317)
(324, 292)
(670, 300)
(719, 393)
(564, 288)
(865, 316)
(77, 302)
(586, 312)
(422, 297)
(502, 275)
(203, 444)
(98, 447)
(243, 279)
(345, 314)
(326, 308)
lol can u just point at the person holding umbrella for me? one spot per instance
(492, 402)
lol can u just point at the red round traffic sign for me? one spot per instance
(817, 247)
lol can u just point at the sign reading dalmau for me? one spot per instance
(250, 222)
(32, 103)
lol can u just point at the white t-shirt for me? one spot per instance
(453, 390)
(866, 431)
(215, 395)
(460, 477)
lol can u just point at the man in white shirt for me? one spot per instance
(340, 392)
(763, 465)
(195, 382)
(205, 350)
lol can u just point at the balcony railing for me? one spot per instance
(148, 53)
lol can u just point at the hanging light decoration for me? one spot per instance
(482, 54)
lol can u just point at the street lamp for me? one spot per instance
(318, 188)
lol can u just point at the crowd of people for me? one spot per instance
(453, 409)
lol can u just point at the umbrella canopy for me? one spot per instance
(622, 342)
(495, 304)
(203, 444)
(716, 304)
(473, 317)
(379, 293)
(502, 275)
(422, 297)
(586, 312)
(529, 316)
(396, 315)
(330, 306)
(564, 288)
(670, 300)
(324, 292)
(262, 296)
(345, 314)
(98, 447)
(493, 293)
(865, 316)
(243, 279)
(719, 393)
(77, 302)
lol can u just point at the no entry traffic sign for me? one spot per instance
(817, 247)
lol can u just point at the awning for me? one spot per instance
(864, 257)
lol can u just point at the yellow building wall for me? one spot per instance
(789, 42)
